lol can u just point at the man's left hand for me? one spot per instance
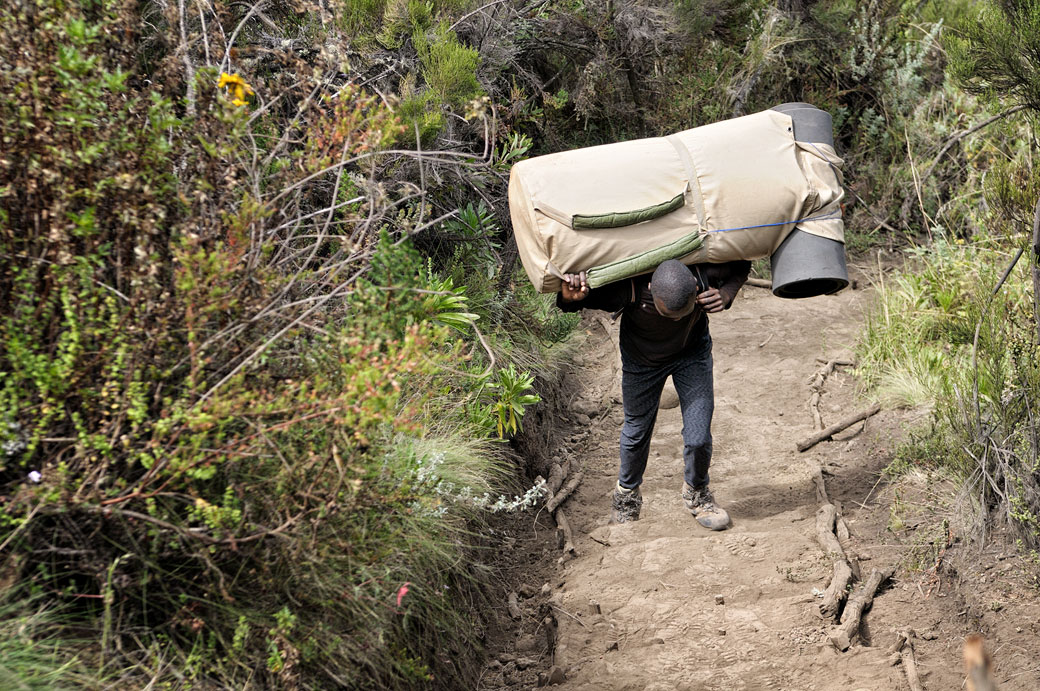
(711, 300)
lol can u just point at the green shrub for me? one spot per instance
(245, 428)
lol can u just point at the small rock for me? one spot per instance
(546, 589)
(721, 632)
(556, 675)
(657, 640)
(594, 607)
(669, 397)
(543, 679)
(586, 407)
(720, 599)
(528, 590)
(929, 635)
(494, 665)
(612, 646)
(506, 658)
(583, 419)
(526, 644)
(524, 663)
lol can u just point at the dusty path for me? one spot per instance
(685, 608)
(664, 604)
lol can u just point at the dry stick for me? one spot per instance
(841, 575)
(841, 636)
(841, 528)
(978, 328)
(837, 427)
(836, 361)
(555, 480)
(513, 606)
(560, 497)
(881, 222)
(1035, 269)
(814, 408)
(961, 135)
(189, 68)
(819, 378)
(557, 474)
(821, 488)
(563, 528)
(759, 283)
(905, 647)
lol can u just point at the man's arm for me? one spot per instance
(729, 277)
(738, 274)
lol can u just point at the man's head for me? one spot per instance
(674, 288)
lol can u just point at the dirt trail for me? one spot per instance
(685, 608)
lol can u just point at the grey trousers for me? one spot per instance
(641, 387)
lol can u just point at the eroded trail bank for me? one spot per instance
(664, 604)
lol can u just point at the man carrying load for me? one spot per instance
(664, 332)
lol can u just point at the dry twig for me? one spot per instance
(841, 636)
(815, 439)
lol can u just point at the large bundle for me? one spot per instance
(730, 190)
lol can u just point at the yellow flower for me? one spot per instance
(236, 87)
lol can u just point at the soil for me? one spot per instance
(663, 603)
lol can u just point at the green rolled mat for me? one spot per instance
(627, 218)
(644, 261)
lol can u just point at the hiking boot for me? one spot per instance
(625, 505)
(700, 502)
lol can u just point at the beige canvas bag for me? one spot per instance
(730, 190)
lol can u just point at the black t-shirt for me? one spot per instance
(645, 334)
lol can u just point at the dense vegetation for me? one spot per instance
(959, 331)
(263, 339)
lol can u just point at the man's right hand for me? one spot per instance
(574, 287)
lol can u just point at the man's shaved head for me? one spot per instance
(673, 284)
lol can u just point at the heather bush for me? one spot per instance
(248, 431)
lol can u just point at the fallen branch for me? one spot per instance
(837, 362)
(816, 386)
(821, 488)
(838, 427)
(555, 481)
(558, 498)
(759, 283)
(841, 574)
(841, 636)
(564, 533)
(816, 383)
(905, 647)
(513, 606)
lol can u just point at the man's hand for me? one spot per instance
(575, 287)
(711, 300)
